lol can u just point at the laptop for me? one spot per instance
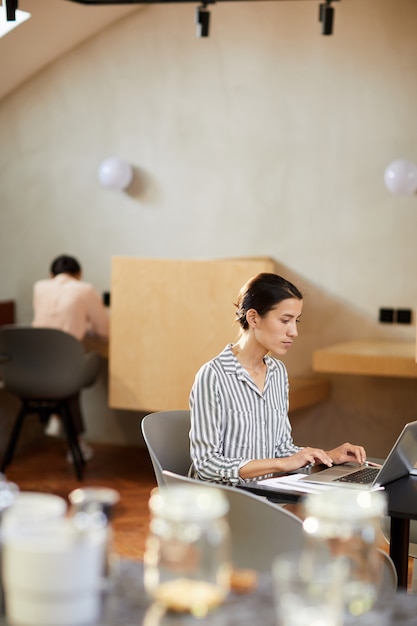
(401, 461)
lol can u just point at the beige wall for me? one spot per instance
(266, 139)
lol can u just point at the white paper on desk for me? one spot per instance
(292, 483)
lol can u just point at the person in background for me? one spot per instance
(65, 302)
(239, 400)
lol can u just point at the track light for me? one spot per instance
(11, 8)
(326, 17)
(202, 15)
(202, 20)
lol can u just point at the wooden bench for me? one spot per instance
(307, 391)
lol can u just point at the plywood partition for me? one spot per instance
(168, 317)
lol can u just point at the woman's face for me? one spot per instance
(278, 328)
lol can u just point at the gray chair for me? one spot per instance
(260, 530)
(389, 583)
(166, 435)
(46, 369)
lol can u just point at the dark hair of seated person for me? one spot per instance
(65, 264)
(263, 293)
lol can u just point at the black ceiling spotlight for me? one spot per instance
(202, 15)
(11, 8)
(326, 17)
(202, 20)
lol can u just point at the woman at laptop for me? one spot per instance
(239, 401)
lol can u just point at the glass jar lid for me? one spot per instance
(346, 504)
(188, 502)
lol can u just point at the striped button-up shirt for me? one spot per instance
(233, 422)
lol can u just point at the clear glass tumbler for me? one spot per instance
(305, 595)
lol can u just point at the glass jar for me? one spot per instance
(187, 553)
(343, 525)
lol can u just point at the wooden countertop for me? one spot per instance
(94, 344)
(369, 358)
(306, 391)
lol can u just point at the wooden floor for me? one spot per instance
(43, 467)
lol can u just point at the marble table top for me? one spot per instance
(128, 605)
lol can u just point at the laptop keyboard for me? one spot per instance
(364, 476)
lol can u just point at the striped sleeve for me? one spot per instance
(207, 431)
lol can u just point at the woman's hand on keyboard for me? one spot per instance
(347, 452)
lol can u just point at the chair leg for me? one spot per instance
(414, 578)
(14, 436)
(72, 441)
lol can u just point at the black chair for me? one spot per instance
(46, 368)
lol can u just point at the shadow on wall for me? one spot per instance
(143, 187)
(325, 320)
(366, 410)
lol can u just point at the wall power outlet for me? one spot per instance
(395, 316)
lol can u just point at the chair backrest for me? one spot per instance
(166, 435)
(260, 530)
(40, 363)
